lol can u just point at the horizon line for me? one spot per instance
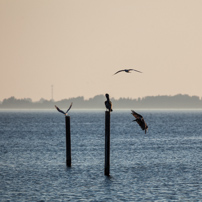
(80, 96)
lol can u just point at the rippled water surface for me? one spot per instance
(163, 165)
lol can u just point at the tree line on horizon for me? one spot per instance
(178, 101)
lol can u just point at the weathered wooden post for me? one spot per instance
(68, 135)
(68, 141)
(107, 143)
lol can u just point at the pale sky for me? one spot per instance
(77, 46)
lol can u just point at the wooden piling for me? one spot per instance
(107, 143)
(68, 141)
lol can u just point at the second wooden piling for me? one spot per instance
(68, 142)
(107, 143)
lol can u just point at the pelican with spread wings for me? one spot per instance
(65, 113)
(127, 71)
(139, 119)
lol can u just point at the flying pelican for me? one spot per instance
(63, 111)
(139, 119)
(108, 103)
(127, 71)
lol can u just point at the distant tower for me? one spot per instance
(52, 92)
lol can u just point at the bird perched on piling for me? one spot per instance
(65, 113)
(127, 71)
(139, 119)
(108, 103)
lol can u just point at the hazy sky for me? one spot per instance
(77, 45)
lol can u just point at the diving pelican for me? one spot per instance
(139, 119)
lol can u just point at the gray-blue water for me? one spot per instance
(163, 165)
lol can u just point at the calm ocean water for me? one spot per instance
(163, 165)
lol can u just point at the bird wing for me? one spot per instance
(141, 123)
(119, 71)
(134, 70)
(59, 109)
(69, 108)
(136, 115)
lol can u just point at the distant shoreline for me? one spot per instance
(150, 102)
(101, 110)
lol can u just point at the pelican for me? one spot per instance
(139, 119)
(108, 103)
(127, 71)
(63, 111)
